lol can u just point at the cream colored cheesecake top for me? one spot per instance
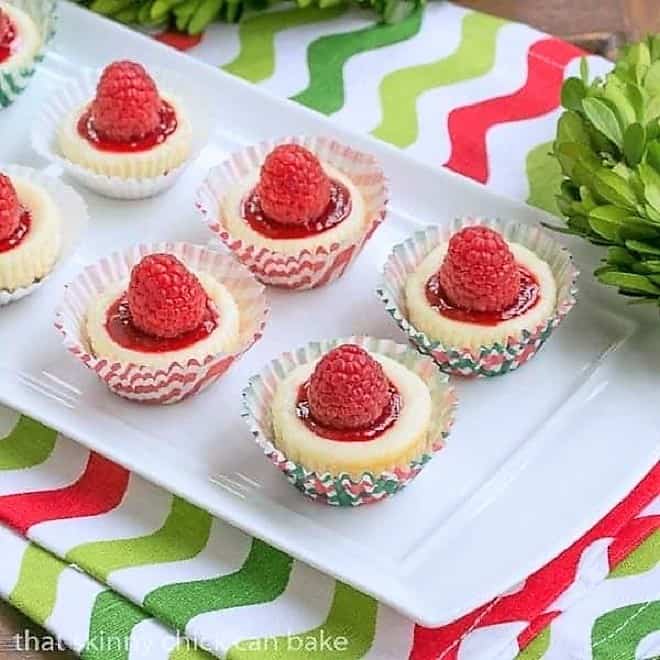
(406, 440)
(34, 257)
(29, 40)
(349, 230)
(461, 334)
(156, 161)
(223, 339)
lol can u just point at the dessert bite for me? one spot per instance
(163, 314)
(130, 129)
(30, 233)
(20, 39)
(354, 418)
(296, 214)
(478, 289)
(480, 297)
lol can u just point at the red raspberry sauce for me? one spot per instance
(8, 44)
(120, 327)
(168, 124)
(375, 430)
(21, 232)
(528, 296)
(338, 209)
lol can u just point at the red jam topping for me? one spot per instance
(528, 296)
(387, 418)
(21, 232)
(168, 124)
(120, 327)
(9, 42)
(338, 209)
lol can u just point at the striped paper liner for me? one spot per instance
(178, 381)
(73, 221)
(345, 489)
(13, 80)
(307, 269)
(497, 358)
(79, 92)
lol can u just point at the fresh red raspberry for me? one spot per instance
(127, 105)
(164, 298)
(6, 28)
(293, 188)
(479, 273)
(348, 389)
(10, 208)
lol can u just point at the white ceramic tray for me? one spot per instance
(536, 457)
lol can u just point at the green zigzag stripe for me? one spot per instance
(184, 535)
(399, 90)
(616, 634)
(35, 591)
(544, 177)
(537, 648)
(261, 579)
(187, 650)
(29, 443)
(112, 621)
(644, 558)
(256, 59)
(352, 617)
(327, 56)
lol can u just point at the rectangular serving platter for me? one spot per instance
(535, 458)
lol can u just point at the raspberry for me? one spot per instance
(127, 105)
(164, 298)
(293, 188)
(10, 208)
(6, 28)
(479, 273)
(348, 389)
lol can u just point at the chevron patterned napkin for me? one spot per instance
(120, 569)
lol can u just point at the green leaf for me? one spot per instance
(634, 142)
(652, 265)
(637, 229)
(652, 109)
(616, 95)
(573, 91)
(605, 228)
(652, 194)
(584, 70)
(654, 46)
(604, 119)
(652, 81)
(619, 256)
(569, 154)
(629, 281)
(649, 175)
(653, 155)
(571, 128)
(643, 248)
(610, 213)
(613, 189)
(636, 97)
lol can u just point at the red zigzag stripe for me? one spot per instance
(468, 126)
(547, 584)
(99, 489)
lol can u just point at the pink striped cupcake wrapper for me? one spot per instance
(307, 269)
(345, 489)
(490, 360)
(177, 381)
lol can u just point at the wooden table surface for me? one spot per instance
(598, 25)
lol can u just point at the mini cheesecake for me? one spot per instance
(30, 233)
(479, 290)
(162, 315)
(20, 40)
(352, 412)
(130, 129)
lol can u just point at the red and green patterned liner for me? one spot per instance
(344, 489)
(309, 268)
(13, 80)
(498, 358)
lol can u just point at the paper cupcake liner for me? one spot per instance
(15, 80)
(307, 269)
(344, 489)
(81, 90)
(74, 219)
(494, 359)
(177, 381)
